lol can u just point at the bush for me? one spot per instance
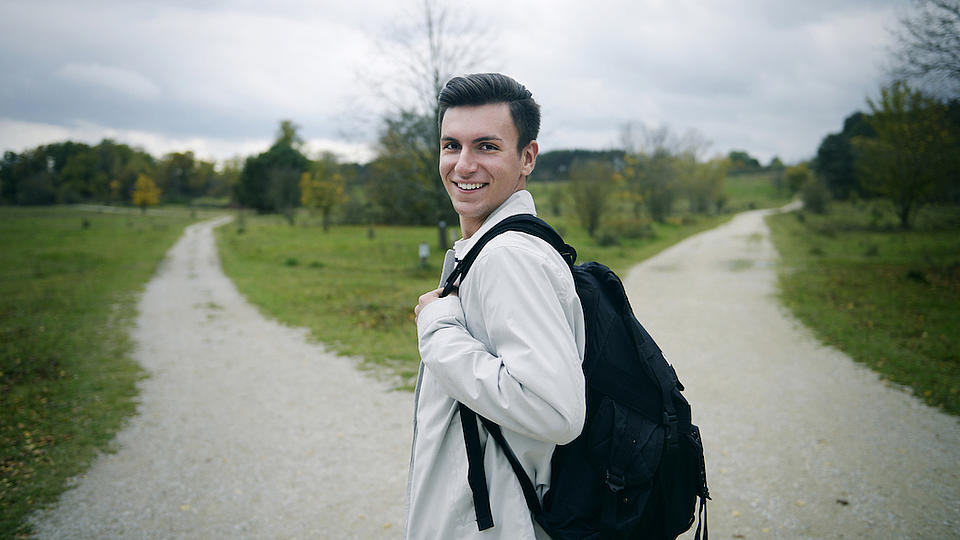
(629, 228)
(797, 177)
(815, 196)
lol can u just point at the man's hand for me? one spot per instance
(427, 298)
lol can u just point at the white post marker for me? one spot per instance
(424, 253)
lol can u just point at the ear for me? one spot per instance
(528, 158)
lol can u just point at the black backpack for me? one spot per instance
(637, 469)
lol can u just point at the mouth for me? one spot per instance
(464, 186)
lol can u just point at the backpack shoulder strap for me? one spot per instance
(526, 223)
(477, 477)
(530, 224)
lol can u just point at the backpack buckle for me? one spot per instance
(615, 482)
(670, 422)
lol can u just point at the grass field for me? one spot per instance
(754, 190)
(68, 288)
(69, 282)
(356, 292)
(889, 298)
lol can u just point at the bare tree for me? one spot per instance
(427, 48)
(422, 52)
(928, 46)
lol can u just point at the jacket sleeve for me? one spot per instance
(530, 379)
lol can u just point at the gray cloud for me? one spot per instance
(771, 78)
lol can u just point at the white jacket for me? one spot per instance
(510, 346)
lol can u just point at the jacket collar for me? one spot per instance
(520, 202)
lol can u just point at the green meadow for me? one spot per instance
(890, 298)
(69, 282)
(355, 287)
(70, 279)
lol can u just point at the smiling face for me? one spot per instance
(479, 162)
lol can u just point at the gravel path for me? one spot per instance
(801, 441)
(245, 429)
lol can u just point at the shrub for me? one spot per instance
(629, 228)
(815, 196)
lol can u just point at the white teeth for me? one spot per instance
(469, 187)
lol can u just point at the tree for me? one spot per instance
(283, 190)
(836, 157)
(777, 168)
(270, 181)
(28, 178)
(592, 183)
(928, 45)
(741, 161)
(402, 188)
(425, 51)
(555, 164)
(145, 193)
(912, 152)
(656, 168)
(80, 177)
(8, 180)
(656, 172)
(702, 183)
(226, 179)
(322, 187)
(182, 176)
(68, 172)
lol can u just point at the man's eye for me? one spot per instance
(488, 147)
(450, 146)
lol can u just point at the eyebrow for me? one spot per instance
(482, 138)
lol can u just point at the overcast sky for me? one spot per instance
(771, 77)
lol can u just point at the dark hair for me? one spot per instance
(487, 88)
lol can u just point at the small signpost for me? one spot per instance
(424, 253)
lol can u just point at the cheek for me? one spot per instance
(446, 165)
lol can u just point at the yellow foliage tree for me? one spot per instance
(145, 192)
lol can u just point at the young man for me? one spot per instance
(510, 344)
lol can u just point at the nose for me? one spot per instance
(466, 163)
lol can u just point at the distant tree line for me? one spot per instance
(619, 192)
(108, 172)
(400, 185)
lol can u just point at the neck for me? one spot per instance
(469, 226)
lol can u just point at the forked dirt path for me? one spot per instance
(801, 442)
(245, 429)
